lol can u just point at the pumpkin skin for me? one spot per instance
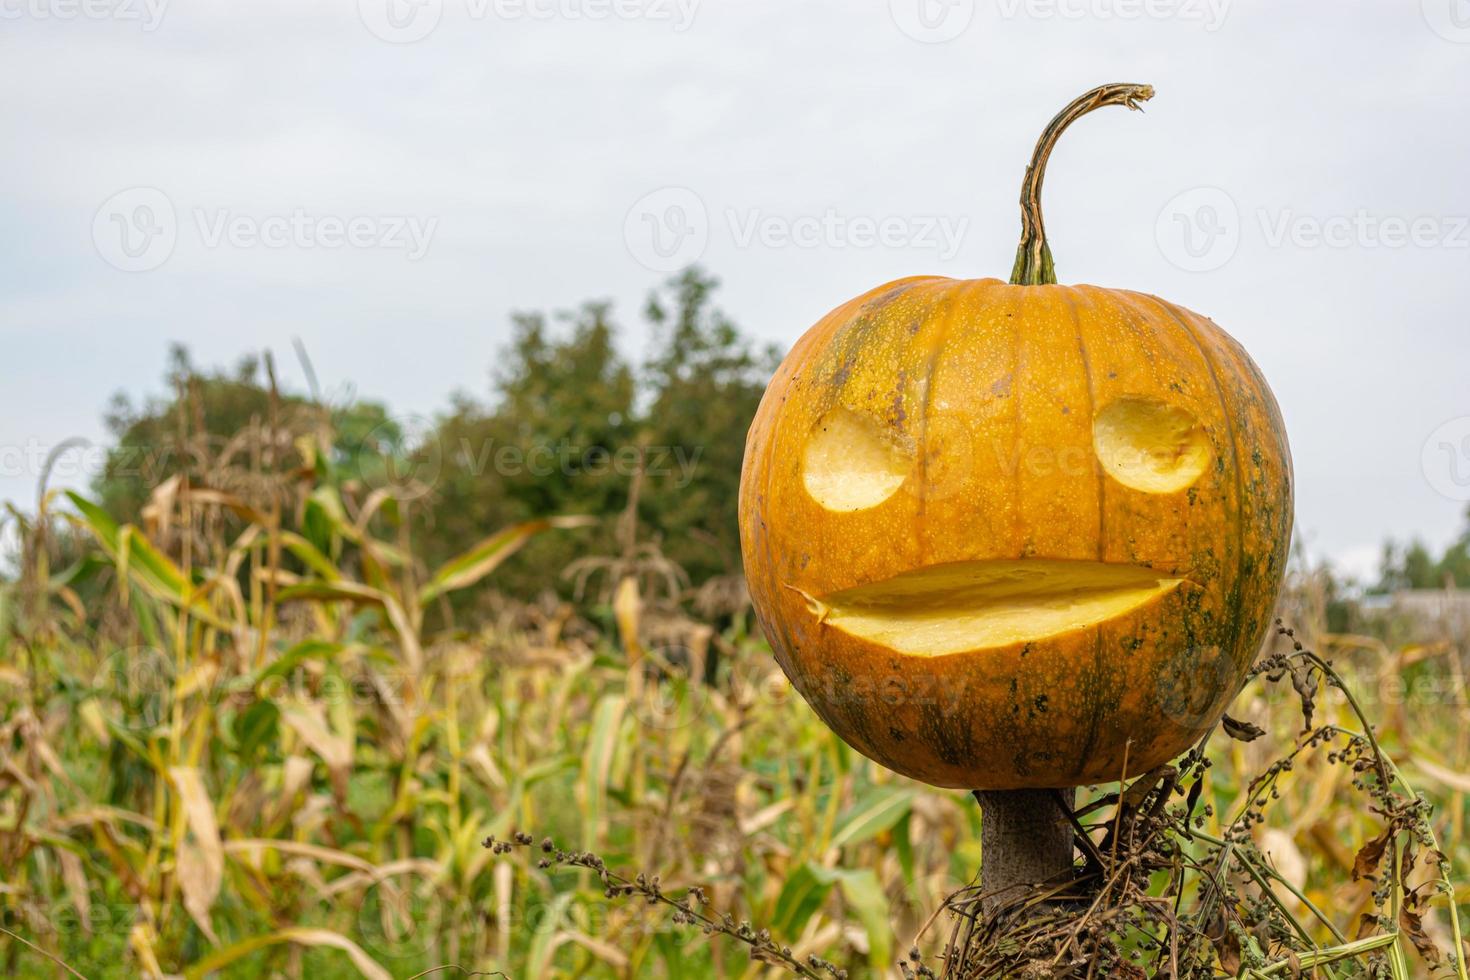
(932, 454)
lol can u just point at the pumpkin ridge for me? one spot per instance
(1102, 495)
(1230, 425)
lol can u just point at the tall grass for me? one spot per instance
(256, 736)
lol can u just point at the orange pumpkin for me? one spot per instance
(1017, 535)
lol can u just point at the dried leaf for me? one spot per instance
(1457, 781)
(606, 952)
(76, 886)
(1304, 681)
(1226, 943)
(201, 858)
(1412, 924)
(1242, 730)
(308, 719)
(1138, 791)
(1371, 856)
(627, 609)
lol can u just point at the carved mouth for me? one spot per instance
(977, 605)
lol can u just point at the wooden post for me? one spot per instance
(1025, 839)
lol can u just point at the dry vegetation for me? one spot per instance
(255, 736)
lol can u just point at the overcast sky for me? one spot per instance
(388, 179)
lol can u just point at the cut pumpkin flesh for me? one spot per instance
(975, 605)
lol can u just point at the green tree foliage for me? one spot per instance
(570, 419)
(547, 445)
(704, 382)
(1414, 566)
(198, 426)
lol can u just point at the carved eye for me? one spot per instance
(852, 463)
(1151, 446)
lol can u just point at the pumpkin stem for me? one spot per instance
(1026, 841)
(1034, 265)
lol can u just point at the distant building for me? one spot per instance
(1435, 611)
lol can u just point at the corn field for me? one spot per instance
(255, 735)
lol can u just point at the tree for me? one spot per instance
(568, 423)
(555, 441)
(196, 431)
(1415, 567)
(704, 380)
(571, 421)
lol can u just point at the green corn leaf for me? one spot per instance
(548, 937)
(864, 895)
(596, 763)
(877, 810)
(473, 565)
(801, 896)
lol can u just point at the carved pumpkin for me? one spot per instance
(1017, 535)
